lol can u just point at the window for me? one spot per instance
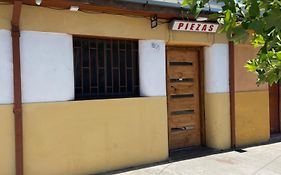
(105, 68)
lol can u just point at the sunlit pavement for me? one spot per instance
(265, 159)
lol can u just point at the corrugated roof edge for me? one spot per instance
(214, 7)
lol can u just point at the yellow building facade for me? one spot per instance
(62, 135)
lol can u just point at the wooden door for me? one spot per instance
(183, 97)
(274, 109)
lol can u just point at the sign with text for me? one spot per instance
(190, 26)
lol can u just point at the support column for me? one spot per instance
(232, 93)
(17, 87)
(217, 103)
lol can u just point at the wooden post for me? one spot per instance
(17, 87)
(274, 108)
(232, 93)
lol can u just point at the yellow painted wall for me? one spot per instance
(86, 137)
(217, 114)
(7, 143)
(111, 134)
(251, 101)
(80, 23)
(245, 80)
(5, 16)
(252, 117)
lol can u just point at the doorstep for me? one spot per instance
(275, 138)
(191, 152)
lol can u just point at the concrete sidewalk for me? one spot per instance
(259, 160)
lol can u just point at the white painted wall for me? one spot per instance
(47, 67)
(217, 68)
(6, 68)
(152, 68)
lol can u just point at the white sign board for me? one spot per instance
(190, 26)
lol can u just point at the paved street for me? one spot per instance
(259, 160)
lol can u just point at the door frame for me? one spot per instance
(201, 85)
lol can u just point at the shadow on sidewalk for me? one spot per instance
(174, 156)
(191, 153)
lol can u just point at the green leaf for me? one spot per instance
(229, 5)
(251, 66)
(186, 2)
(278, 55)
(214, 16)
(227, 16)
(238, 34)
(196, 10)
(257, 26)
(274, 19)
(254, 10)
(258, 41)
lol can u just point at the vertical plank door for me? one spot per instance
(183, 97)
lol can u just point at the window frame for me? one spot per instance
(108, 47)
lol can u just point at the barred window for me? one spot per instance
(105, 68)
